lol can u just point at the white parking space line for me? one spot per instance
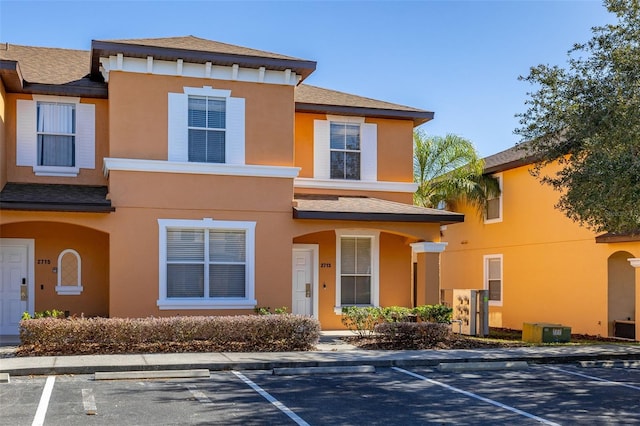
(89, 402)
(473, 395)
(41, 412)
(199, 395)
(597, 379)
(280, 406)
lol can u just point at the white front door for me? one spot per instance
(14, 288)
(303, 281)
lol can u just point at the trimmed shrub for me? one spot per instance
(434, 313)
(397, 314)
(361, 320)
(250, 333)
(413, 335)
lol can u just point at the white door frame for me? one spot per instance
(315, 259)
(30, 244)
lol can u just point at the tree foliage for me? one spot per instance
(587, 118)
(447, 169)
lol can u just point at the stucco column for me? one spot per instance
(635, 262)
(428, 272)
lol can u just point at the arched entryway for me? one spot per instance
(621, 294)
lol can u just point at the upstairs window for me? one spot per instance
(345, 151)
(56, 130)
(494, 206)
(55, 135)
(207, 125)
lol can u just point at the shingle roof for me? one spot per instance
(45, 67)
(50, 197)
(317, 99)
(48, 70)
(202, 45)
(197, 50)
(332, 207)
(48, 65)
(511, 158)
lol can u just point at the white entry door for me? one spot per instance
(303, 281)
(13, 287)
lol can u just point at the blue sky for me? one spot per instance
(460, 59)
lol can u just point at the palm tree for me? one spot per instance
(448, 170)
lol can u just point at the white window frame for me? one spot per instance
(69, 290)
(375, 264)
(178, 125)
(498, 219)
(322, 150)
(485, 278)
(247, 302)
(27, 136)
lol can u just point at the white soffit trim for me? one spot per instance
(428, 247)
(159, 166)
(634, 261)
(206, 70)
(355, 185)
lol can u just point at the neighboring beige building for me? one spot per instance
(182, 176)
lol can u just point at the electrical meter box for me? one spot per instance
(545, 333)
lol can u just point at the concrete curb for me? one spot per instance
(610, 364)
(324, 370)
(89, 364)
(483, 366)
(158, 374)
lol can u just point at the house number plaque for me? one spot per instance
(325, 265)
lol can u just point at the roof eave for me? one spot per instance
(11, 75)
(104, 49)
(444, 219)
(510, 165)
(418, 117)
(97, 91)
(55, 207)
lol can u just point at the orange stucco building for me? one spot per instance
(182, 176)
(538, 265)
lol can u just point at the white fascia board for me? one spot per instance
(159, 67)
(357, 185)
(159, 166)
(428, 247)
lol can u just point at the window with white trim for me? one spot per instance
(493, 278)
(206, 264)
(345, 151)
(55, 135)
(56, 130)
(357, 268)
(345, 148)
(206, 125)
(494, 205)
(69, 273)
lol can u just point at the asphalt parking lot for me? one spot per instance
(547, 394)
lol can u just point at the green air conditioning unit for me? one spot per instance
(545, 333)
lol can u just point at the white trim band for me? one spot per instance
(160, 166)
(428, 247)
(634, 261)
(358, 185)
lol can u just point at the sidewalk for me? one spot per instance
(331, 352)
